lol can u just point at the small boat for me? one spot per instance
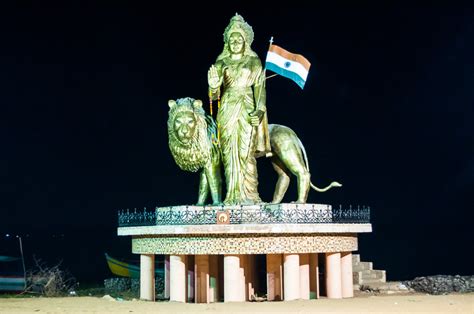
(12, 276)
(124, 269)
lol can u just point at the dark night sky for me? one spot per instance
(387, 110)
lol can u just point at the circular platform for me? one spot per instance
(251, 229)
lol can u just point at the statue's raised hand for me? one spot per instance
(213, 78)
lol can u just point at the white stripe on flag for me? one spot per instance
(288, 65)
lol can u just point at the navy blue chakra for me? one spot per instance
(287, 64)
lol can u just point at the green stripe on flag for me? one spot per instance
(289, 74)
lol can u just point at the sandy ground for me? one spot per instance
(410, 303)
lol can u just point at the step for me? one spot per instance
(369, 276)
(369, 281)
(360, 266)
(384, 286)
(355, 258)
(373, 274)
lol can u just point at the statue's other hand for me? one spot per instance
(256, 117)
(213, 78)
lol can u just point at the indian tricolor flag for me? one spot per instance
(287, 64)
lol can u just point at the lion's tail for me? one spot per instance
(332, 185)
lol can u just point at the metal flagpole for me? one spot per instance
(263, 79)
(22, 260)
(264, 74)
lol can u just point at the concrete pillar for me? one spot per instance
(333, 276)
(201, 273)
(213, 278)
(147, 277)
(243, 277)
(313, 276)
(232, 281)
(291, 276)
(274, 277)
(178, 278)
(346, 275)
(220, 277)
(304, 276)
(190, 284)
(167, 277)
(251, 276)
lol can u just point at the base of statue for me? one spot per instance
(220, 243)
(244, 229)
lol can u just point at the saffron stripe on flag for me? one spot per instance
(290, 56)
(283, 63)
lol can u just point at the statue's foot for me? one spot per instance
(298, 202)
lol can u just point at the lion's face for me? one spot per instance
(184, 126)
(187, 131)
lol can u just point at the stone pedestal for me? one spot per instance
(291, 276)
(333, 276)
(182, 232)
(147, 277)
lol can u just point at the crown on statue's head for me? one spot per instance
(238, 24)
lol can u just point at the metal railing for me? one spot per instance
(261, 214)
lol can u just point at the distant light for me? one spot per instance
(7, 235)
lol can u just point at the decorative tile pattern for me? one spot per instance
(244, 244)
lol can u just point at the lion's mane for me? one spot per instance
(193, 155)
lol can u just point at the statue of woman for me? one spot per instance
(238, 76)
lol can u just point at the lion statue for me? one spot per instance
(192, 139)
(194, 146)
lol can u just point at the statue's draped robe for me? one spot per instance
(239, 140)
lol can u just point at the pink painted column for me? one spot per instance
(333, 276)
(291, 276)
(201, 279)
(147, 277)
(274, 277)
(178, 278)
(313, 276)
(232, 281)
(304, 276)
(346, 275)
